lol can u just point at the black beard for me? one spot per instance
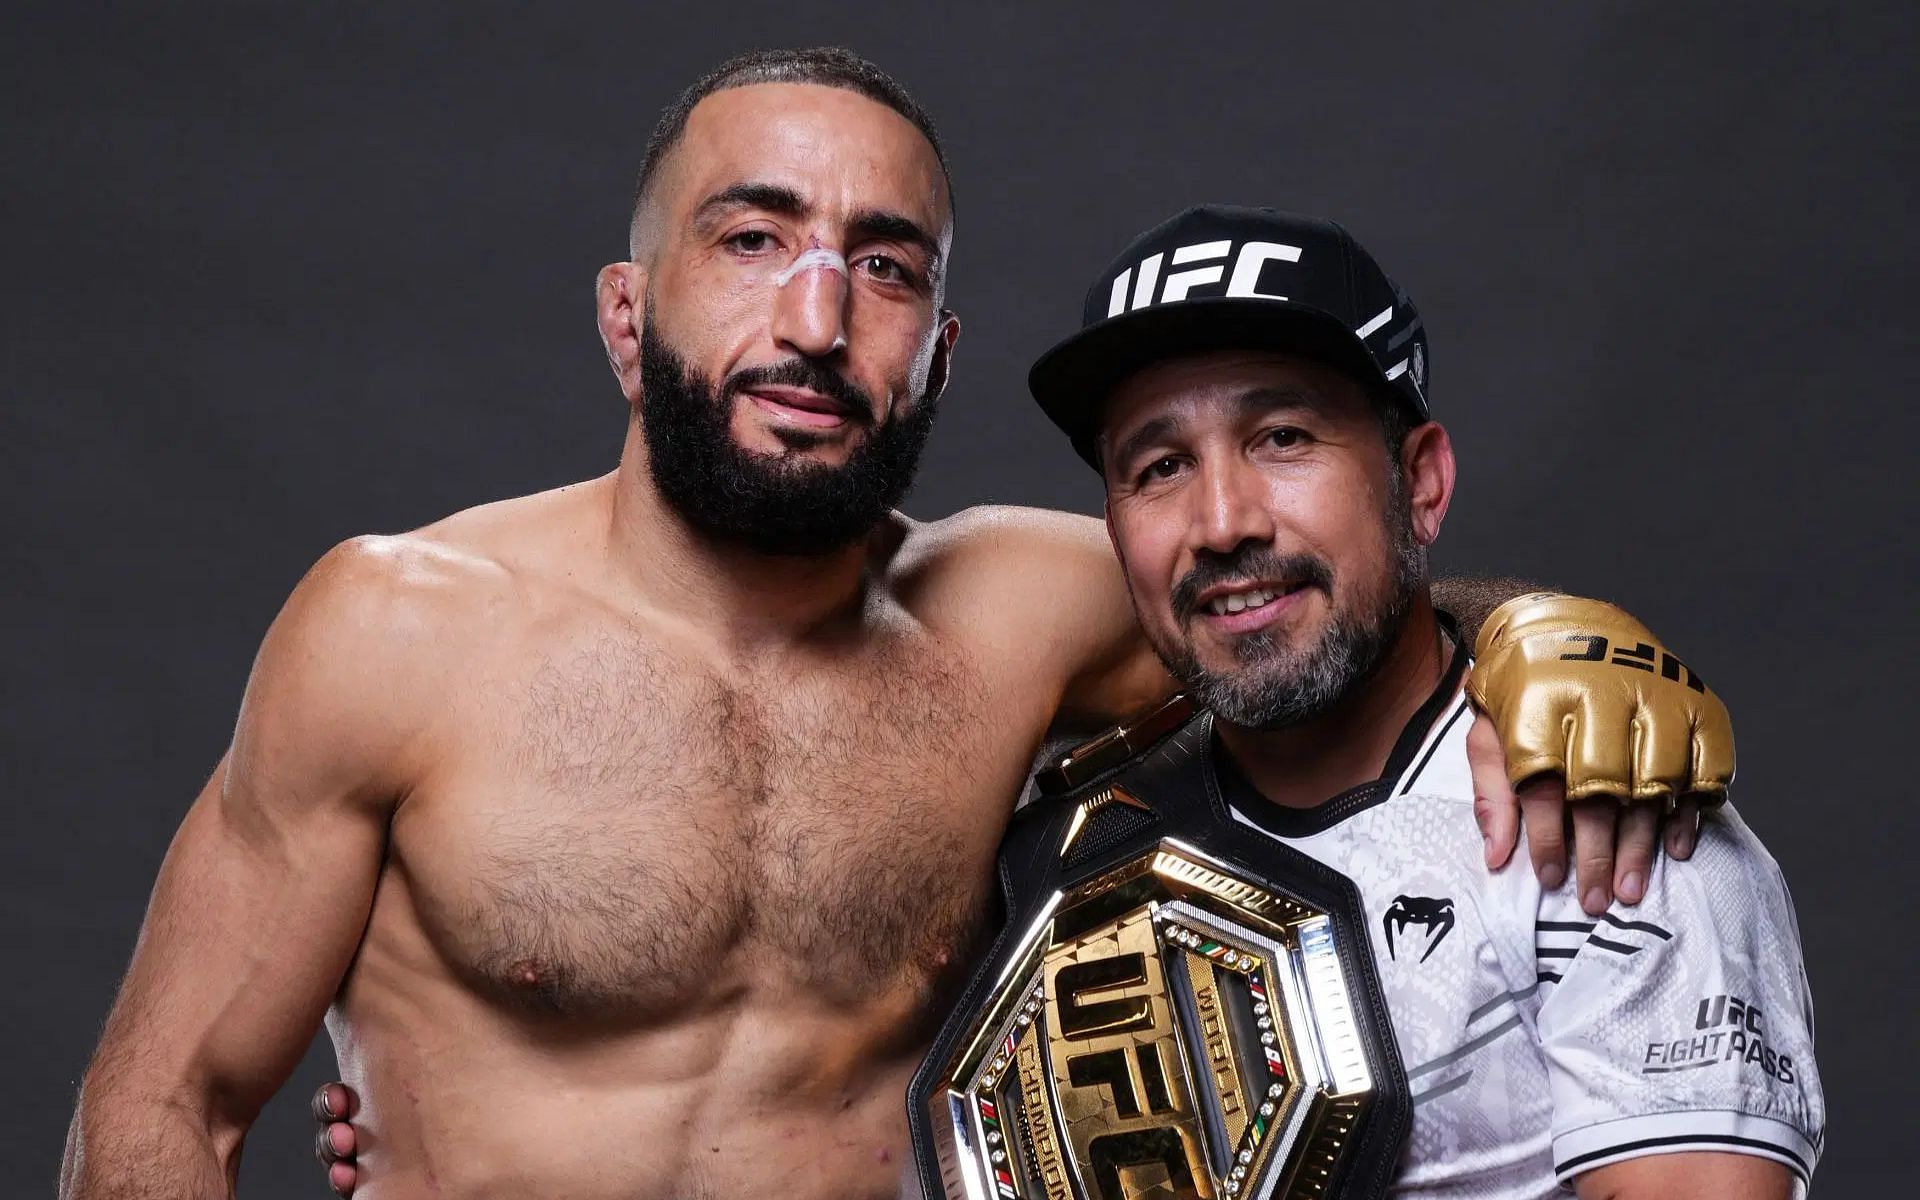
(768, 503)
(1280, 685)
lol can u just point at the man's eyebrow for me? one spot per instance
(1265, 398)
(1148, 433)
(770, 197)
(1254, 400)
(897, 227)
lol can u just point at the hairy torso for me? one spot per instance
(662, 921)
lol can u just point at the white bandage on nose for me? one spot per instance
(815, 258)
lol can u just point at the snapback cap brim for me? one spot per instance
(1071, 381)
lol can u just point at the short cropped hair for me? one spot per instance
(1397, 419)
(827, 66)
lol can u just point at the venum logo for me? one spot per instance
(1141, 285)
(1435, 917)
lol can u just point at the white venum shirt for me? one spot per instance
(1538, 1041)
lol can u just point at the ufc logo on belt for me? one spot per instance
(1136, 286)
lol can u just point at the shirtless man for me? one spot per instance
(665, 802)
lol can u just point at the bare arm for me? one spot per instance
(260, 902)
(1123, 676)
(1060, 588)
(1471, 601)
(1687, 1176)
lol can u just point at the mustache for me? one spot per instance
(1249, 561)
(800, 372)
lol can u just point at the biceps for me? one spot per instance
(256, 914)
(1688, 1175)
(1116, 691)
(1118, 674)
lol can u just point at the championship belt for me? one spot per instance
(1178, 1006)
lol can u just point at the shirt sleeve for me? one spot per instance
(1684, 1023)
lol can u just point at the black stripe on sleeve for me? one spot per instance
(1616, 947)
(1640, 926)
(1692, 1066)
(1798, 1164)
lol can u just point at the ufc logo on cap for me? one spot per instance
(1135, 287)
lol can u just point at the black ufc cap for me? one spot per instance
(1219, 277)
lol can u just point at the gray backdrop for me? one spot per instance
(276, 276)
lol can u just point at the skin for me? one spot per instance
(678, 848)
(1209, 453)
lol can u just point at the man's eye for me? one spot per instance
(1282, 439)
(883, 268)
(1161, 468)
(751, 241)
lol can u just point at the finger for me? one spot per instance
(1662, 751)
(1600, 748)
(334, 1102)
(342, 1178)
(1495, 808)
(1543, 808)
(334, 1143)
(1533, 733)
(1683, 828)
(1499, 821)
(1712, 749)
(1593, 832)
(344, 1140)
(1633, 857)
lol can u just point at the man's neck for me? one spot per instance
(739, 596)
(1307, 764)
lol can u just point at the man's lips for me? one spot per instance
(1246, 606)
(801, 406)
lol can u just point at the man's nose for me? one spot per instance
(1232, 507)
(810, 312)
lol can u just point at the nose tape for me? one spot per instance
(814, 258)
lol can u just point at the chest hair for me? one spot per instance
(659, 822)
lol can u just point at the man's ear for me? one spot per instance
(940, 366)
(620, 307)
(1426, 463)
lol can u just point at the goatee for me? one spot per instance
(1279, 684)
(774, 504)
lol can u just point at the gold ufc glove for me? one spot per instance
(1581, 689)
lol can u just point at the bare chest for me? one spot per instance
(625, 832)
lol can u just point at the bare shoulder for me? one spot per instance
(413, 595)
(472, 557)
(388, 593)
(1042, 591)
(1007, 543)
(363, 652)
(346, 674)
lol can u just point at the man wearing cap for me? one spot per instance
(662, 807)
(1253, 391)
